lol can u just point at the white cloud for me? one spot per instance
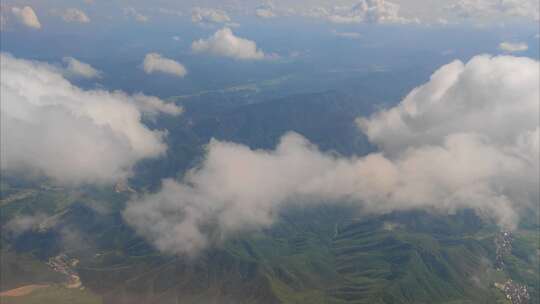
(207, 15)
(133, 13)
(75, 15)
(53, 128)
(26, 16)
(225, 43)
(76, 68)
(492, 96)
(154, 62)
(513, 47)
(469, 138)
(368, 11)
(485, 114)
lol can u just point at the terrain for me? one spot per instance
(329, 253)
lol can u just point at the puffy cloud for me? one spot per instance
(76, 68)
(26, 16)
(468, 138)
(154, 62)
(133, 13)
(75, 15)
(225, 43)
(52, 128)
(492, 96)
(486, 113)
(513, 47)
(369, 11)
(207, 15)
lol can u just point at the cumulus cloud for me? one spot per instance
(511, 47)
(207, 15)
(75, 15)
(485, 114)
(154, 62)
(76, 68)
(468, 138)
(26, 16)
(225, 43)
(133, 13)
(52, 128)
(368, 11)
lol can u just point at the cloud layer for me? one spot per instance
(26, 16)
(154, 62)
(224, 43)
(50, 127)
(468, 138)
